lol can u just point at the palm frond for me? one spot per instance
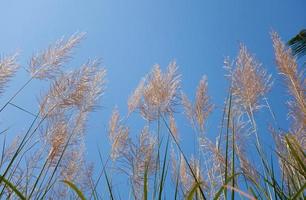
(298, 44)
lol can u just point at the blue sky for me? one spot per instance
(131, 36)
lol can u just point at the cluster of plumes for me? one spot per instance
(47, 64)
(65, 107)
(296, 84)
(157, 94)
(8, 68)
(198, 112)
(134, 158)
(249, 81)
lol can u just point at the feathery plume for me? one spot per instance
(173, 127)
(188, 108)
(56, 136)
(184, 177)
(135, 98)
(47, 64)
(113, 124)
(78, 89)
(73, 164)
(202, 107)
(174, 167)
(157, 94)
(118, 135)
(296, 84)
(8, 67)
(249, 81)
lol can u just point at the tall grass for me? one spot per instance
(48, 161)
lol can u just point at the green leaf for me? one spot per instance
(298, 44)
(194, 188)
(162, 181)
(233, 161)
(296, 155)
(74, 187)
(12, 187)
(145, 184)
(227, 142)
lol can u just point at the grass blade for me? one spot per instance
(74, 188)
(145, 184)
(12, 187)
(193, 190)
(163, 171)
(296, 155)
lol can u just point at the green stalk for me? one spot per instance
(227, 142)
(156, 174)
(75, 188)
(161, 184)
(106, 177)
(12, 187)
(233, 161)
(16, 93)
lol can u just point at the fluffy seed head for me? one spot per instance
(79, 89)
(203, 107)
(118, 136)
(135, 98)
(249, 80)
(296, 84)
(47, 64)
(157, 94)
(173, 127)
(199, 112)
(8, 67)
(55, 137)
(184, 178)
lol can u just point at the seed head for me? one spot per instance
(249, 81)
(8, 68)
(47, 64)
(157, 94)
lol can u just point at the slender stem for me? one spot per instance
(18, 91)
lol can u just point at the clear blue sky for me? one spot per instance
(131, 36)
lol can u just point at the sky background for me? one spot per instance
(131, 36)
